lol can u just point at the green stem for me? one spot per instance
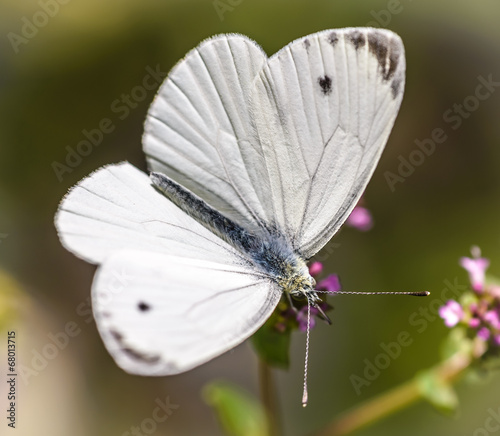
(269, 398)
(395, 399)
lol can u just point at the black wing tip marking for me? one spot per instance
(307, 43)
(388, 52)
(396, 85)
(333, 38)
(384, 45)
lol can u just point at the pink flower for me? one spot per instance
(484, 333)
(494, 291)
(301, 315)
(302, 318)
(474, 323)
(330, 284)
(360, 218)
(492, 318)
(476, 267)
(451, 312)
(315, 268)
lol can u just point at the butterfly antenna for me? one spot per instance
(414, 294)
(304, 393)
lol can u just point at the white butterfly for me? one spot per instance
(256, 162)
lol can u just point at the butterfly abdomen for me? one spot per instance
(206, 215)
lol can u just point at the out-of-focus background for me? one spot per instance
(67, 65)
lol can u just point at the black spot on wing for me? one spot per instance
(387, 51)
(333, 38)
(307, 43)
(325, 84)
(143, 307)
(357, 38)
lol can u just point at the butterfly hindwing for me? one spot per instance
(161, 315)
(117, 208)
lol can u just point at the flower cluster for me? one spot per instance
(479, 310)
(295, 316)
(292, 314)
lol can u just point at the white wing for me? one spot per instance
(198, 127)
(295, 149)
(152, 252)
(117, 208)
(324, 106)
(162, 315)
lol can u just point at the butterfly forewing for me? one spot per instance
(324, 106)
(198, 128)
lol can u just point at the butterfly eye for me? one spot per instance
(298, 295)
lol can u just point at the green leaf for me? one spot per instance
(239, 413)
(437, 391)
(273, 346)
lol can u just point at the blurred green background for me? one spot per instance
(65, 77)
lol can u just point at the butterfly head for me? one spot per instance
(299, 283)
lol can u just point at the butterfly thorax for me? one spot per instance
(276, 257)
(296, 282)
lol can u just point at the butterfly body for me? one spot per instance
(269, 250)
